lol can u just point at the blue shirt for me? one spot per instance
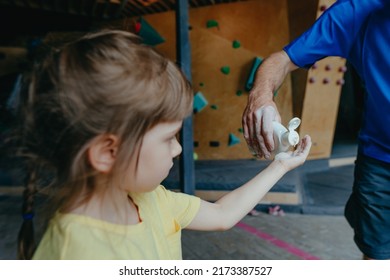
(358, 30)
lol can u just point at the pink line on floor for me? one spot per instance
(277, 242)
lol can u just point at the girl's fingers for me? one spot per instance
(306, 145)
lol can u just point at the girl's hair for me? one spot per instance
(103, 83)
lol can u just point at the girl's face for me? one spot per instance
(159, 148)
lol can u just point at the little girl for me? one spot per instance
(102, 113)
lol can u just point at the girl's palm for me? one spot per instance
(293, 159)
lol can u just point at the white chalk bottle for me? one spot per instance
(285, 138)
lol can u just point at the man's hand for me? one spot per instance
(261, 110)
(258, 130)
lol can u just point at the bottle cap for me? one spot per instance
(294, 123)
(293, 138)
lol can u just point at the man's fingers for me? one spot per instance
(268, 134)
(269, 115)
(254, 136)
(250, 133)
(258, 129)
(245, 127)
(306, 144)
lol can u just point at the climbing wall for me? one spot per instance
(218, 132)
(226, 39)
(321, 99)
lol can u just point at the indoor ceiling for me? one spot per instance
(103, 9)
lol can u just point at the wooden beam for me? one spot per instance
(120, 8)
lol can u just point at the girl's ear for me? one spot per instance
(102, 152)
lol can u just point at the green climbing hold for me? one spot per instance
(212, 23)
(241, 130)
(251, 78)
(225, 70)
(236, 44)
(239, 92)
(201, 84)
(214, 107)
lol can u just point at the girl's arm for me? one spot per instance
(231, 208)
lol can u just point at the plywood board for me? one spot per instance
(321, 105)
(261, 26)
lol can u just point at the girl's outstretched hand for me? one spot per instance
(293, 159)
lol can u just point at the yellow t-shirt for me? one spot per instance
(163, 214)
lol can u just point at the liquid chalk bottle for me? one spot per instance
(285, 138)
